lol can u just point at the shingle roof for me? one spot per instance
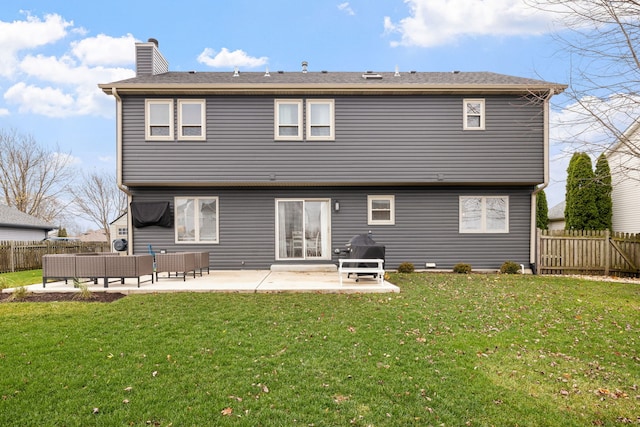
(557, 211)
(14, 218)
(408, 81)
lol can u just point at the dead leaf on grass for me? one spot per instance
(339, 398)
(227, 412)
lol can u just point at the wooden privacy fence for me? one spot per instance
(587, 252)
(19, 256)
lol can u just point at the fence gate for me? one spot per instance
(587, 252)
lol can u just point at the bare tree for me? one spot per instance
(33, 179)
(99, 200)
(602, 40)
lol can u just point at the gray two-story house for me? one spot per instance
(264, 168)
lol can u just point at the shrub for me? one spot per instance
(19, 294)
(509, 267)
(462, 268)
(84, 294)
(406, 267)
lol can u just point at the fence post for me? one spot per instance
(538, 250)
(12, 266)
(607, 252)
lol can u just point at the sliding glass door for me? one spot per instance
(302, 229)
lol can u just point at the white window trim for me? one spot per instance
(482, 113)
(326, 249)
(276, 129)
(197, 222)
(203, 120)
(392, 209)
(483, 220)
(148, 124)
(331, 123)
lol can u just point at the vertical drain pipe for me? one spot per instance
(121, 186)
(545, 136)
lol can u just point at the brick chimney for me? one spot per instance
(149, 60)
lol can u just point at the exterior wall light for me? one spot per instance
(336, 206)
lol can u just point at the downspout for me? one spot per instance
(121, 186)
(545, 183)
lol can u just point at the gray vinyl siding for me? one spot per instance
(379, 140)
(426, 225)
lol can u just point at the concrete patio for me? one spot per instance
(245, 281)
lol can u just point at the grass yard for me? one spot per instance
(449, 350)
(20, 278)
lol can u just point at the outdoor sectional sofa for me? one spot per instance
(182, 263)
(95, 266)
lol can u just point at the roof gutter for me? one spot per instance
(324, 88)
(121, 186)
(545, 183)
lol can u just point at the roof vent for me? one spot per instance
(412, 71)
(266, 73)
(456, 71)
(324, 71)
(305, 64)
(370, 75)
(280, 72)
(397, 73)
(192, 72)
(236, 72)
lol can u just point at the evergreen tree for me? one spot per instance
(581, 212)
(603, 185)
(62, 232)
(542, 211)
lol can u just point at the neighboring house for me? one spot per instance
(625, 179)
(18, 226)
(93, 236)
(556, 216)
(286, 167)
(119, 228)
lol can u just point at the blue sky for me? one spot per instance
(56, 52)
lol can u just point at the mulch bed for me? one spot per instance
(63, 296)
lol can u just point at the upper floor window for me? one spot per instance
(318, 124)
(381, 210)
(191, 119)
(159, 119)
(196, 219)
(122, 231)
(474, 114)
(484, 214)
(320, 119)
(288, 116)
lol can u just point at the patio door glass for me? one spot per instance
(302, 229)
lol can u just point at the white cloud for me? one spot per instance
(345, 7)
(64, 85)
(47, 101)
(435, 23)
(105, 50)
(31, 33)
(224, 58)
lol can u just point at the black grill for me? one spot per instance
(362, 246)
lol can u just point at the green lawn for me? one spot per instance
(20, 278)
(448, 350)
